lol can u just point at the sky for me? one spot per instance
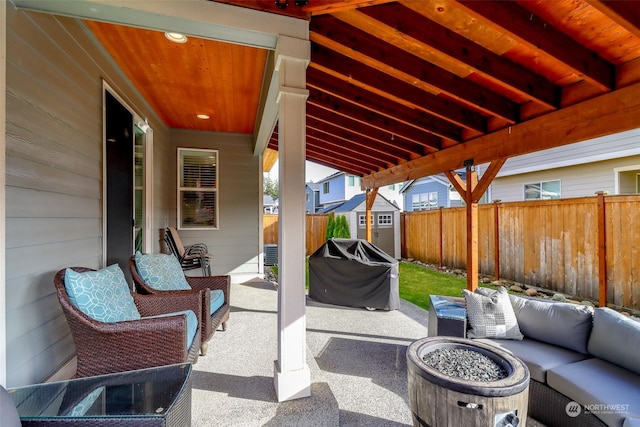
(314, 171)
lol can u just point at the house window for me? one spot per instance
(325, 188)
(362, 220)
(385, 220)
(638, 183)
(424, 201)
(353, 181)
(544, 190)
(307, 197)
(197, 188)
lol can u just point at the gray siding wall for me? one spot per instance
(235, 245)
(575, 181)
(53, 179)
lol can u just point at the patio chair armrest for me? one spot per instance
(169, 302)
(222, 282)
(132, 344)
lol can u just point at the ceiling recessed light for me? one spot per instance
(176, 37)
(203, 116)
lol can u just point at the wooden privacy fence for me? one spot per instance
(316, 226)
(586, 247)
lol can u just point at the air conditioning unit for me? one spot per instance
(271, 254)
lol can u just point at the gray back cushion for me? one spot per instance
(614, 339)
(564, 324)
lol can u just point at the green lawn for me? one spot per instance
(417, 283)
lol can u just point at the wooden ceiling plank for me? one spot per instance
(406, 22)
(610, 113)
(376, 81)
(624, 13)
(355, 43)
(367, 117)
(543, 38)
(386, 107)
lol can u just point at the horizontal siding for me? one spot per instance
(623, 144)
(53, 178)
(235, 245)
(576, 181)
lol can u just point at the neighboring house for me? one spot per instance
(431, 192)
(270, 205)
(312, 197)
(385, 217)
(610, 163)
(340, 186)
(435, 192)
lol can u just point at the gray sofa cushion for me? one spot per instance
(631, 422)
(538, 356)
(613, 391)
(564, 324)
(612, 338)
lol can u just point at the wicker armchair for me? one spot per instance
(210, 321)
(104, 348)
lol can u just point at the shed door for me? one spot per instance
(381, 230)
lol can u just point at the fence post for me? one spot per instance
(602, 249)
(441, 255)
(496, 240)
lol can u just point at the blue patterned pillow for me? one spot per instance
(161, 272)
(102, 295)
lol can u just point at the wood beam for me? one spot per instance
(346, 91)
(389, 58)
(426, 142)
(472, 230)
(528, 29)
(487, 179)
(370, 79)
(370, 196)
(607, 114)
(404, 24)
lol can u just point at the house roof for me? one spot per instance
(397, 89)
(351, 204)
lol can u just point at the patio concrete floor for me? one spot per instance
(356, 357)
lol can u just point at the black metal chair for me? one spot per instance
(191, 257)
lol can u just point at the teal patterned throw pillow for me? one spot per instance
(161, 272)
(102, 295)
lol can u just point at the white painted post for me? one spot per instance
(292, 378)
(3, 109)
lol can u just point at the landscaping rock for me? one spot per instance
(516, 288)
(531, 292)
(588, 303)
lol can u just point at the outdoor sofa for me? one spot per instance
(575, 354)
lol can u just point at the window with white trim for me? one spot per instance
(544, 190)
(198, 188)
(385, 220)
(325, 188)
(362, 220)
(424, 201)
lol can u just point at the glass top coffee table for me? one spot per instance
(158, 396)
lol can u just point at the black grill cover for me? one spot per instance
(354, 273)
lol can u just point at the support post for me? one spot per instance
(370, 197)
(496, 239)
(602, 249)
(292, 377)
(471, 192)
(441, 257)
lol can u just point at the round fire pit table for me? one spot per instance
(461, 382)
